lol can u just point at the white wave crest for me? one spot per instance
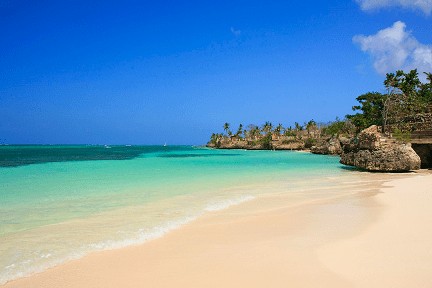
(228, 203)
(144, 235)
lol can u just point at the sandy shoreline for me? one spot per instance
(363, 240)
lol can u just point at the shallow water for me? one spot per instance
(62, 202)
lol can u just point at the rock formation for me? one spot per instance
(257, 145)
(330, 146)
(372, 151)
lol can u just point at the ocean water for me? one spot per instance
(59, 203)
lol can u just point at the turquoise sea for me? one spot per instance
(59, 203)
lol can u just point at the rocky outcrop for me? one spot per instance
(256, 145)
(372, 151)
(295, 145)
(228, 145)
(330, 146)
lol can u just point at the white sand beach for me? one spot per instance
(376, 239)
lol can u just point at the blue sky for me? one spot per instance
(150, 72)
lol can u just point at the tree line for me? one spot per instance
(268, 132)
(405, 99)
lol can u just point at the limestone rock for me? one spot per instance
(374, 152)
(295, 145)
(256, 145)
(331, 146)
(369, 139)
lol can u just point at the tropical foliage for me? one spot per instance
(266, 135)
(371, 106)
(406, 98)
(339, 127)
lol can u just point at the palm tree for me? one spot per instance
(428, 76)
(278, 130)
(288, 131)
(239, 130)
(267, 127)
(255, 132)
(226, 128)
(310, 125)
(298, 127)
(214, 138)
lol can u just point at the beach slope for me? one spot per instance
(396, 250)
(376, 239)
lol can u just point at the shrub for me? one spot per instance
(266, 142)
(402, 136)
(310, 142)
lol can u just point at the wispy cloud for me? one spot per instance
(395, 48)
(423, 5)
(235, 32)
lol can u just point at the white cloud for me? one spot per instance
(395, 48)
(424, 5)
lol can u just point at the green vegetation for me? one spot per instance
(309, 142)
(226, 128)
(339, 127)
(371, 106)
(406, 97)
(215, 139)
(268, 136)
(266, 141)
(408, 89)
(402, 136)
(278, 130)
(406, 100)
(239, 130)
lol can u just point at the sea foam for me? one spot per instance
(228, 203)
(32, 266)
